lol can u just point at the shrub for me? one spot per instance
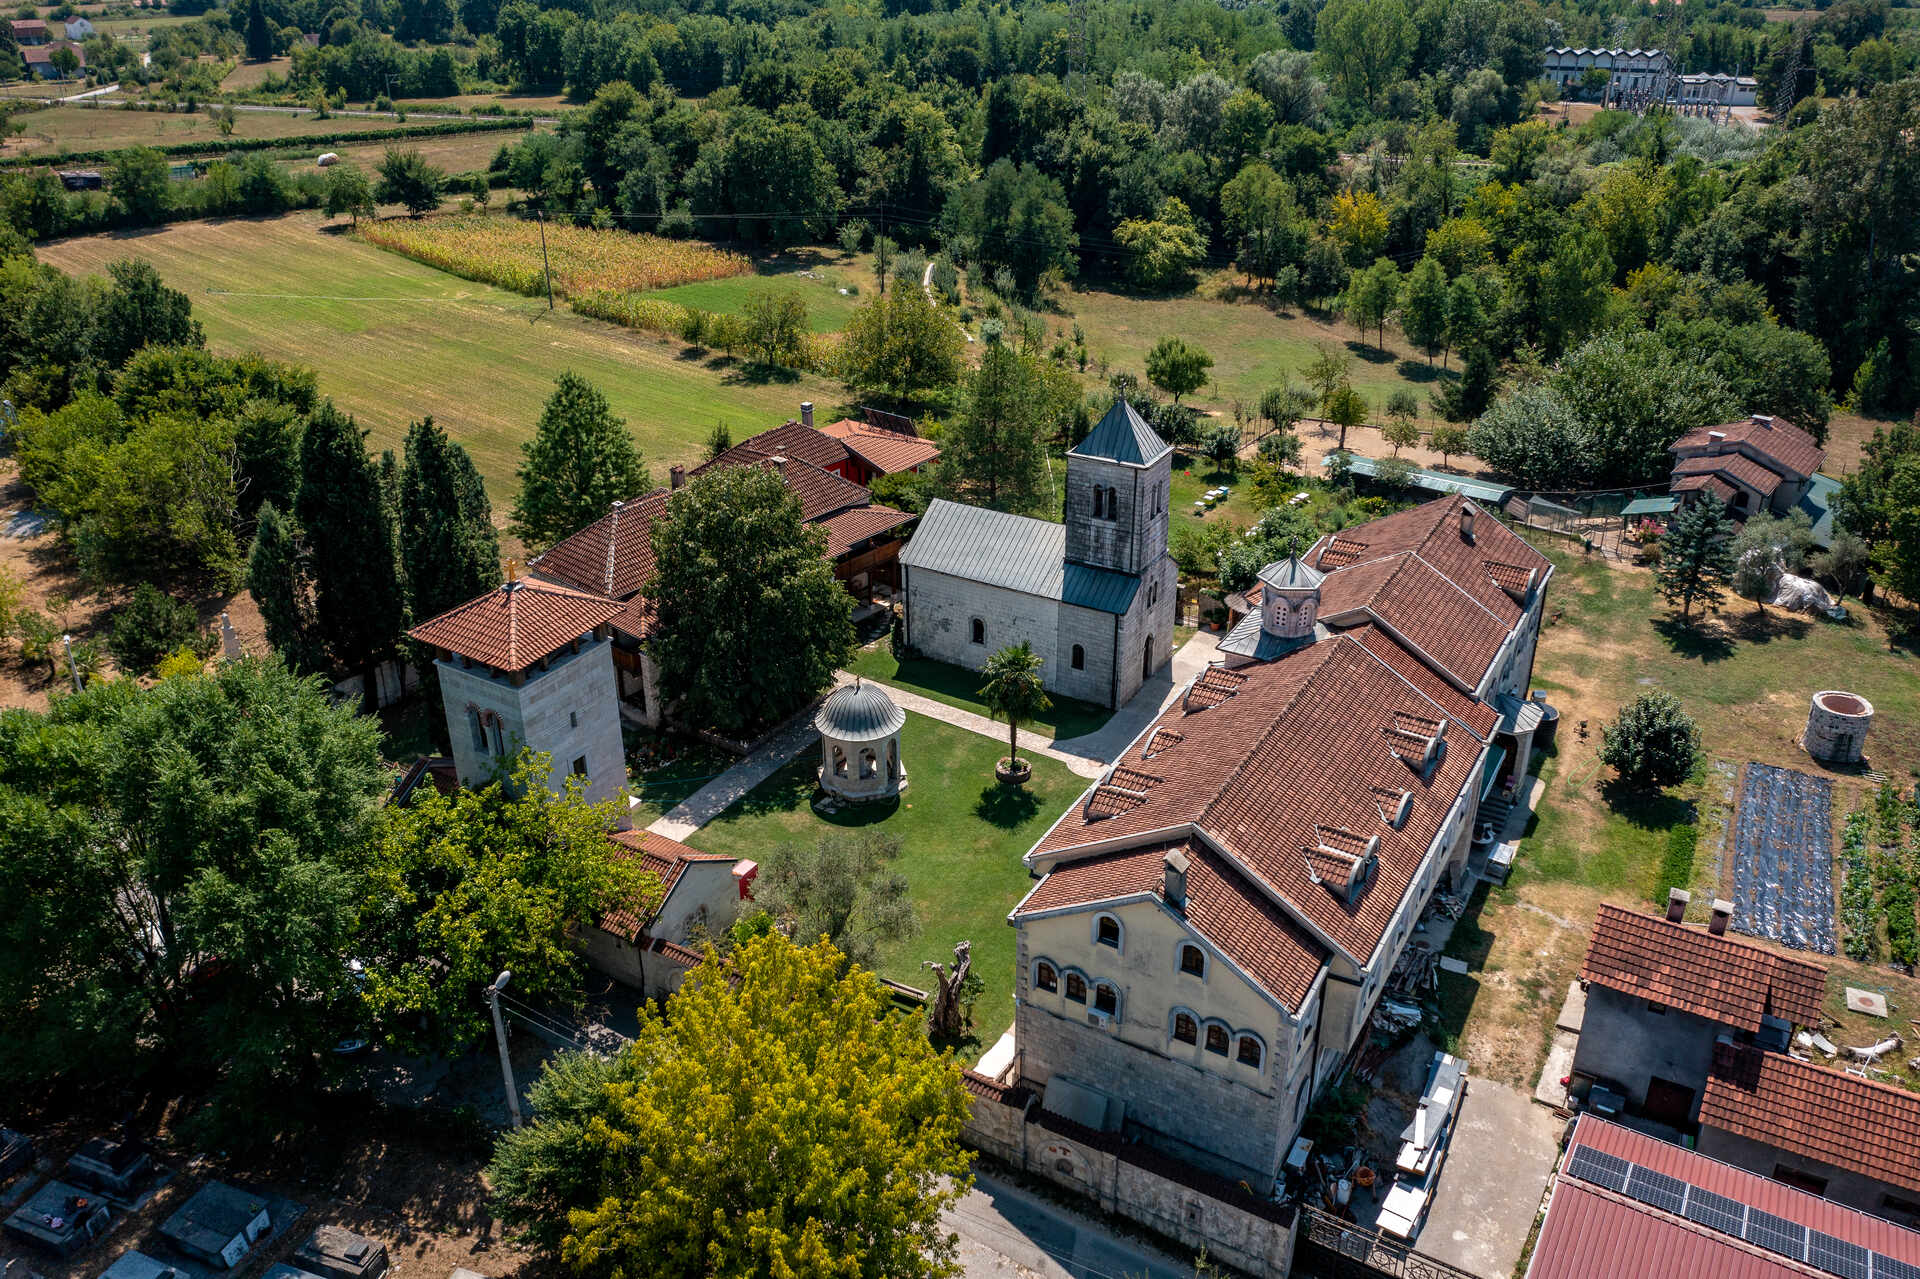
(148, 627)
(1653, 744)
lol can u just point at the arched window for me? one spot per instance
(499, 737)
(1193, 960)
(979, 631)
(1113, 504)
(1077, 989)
(1079, 658)
(1217, 1040)
(869, 763)
(1046, 977)
(1249, 1052)
(839, 762)
(479, 728)
(1106, 997)
(1153, 592)
(1106, 931)
(1099, 502)
(1185, 1029)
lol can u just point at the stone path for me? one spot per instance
(1087, 755)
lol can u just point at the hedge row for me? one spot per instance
(1676, 867)
(1897, 897)
(818, 353)
(1856, 890)
(229, 146)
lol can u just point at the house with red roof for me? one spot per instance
(1760, 463)
(701, 894)
(1215, 919)
(613, 556)
(530, 665)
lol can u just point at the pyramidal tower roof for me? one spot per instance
(1291, 574)
(1122, 436)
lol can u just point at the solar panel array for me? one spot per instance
(1730, 1217)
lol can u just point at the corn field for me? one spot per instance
(505, 251)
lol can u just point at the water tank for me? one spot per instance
(1837, 727)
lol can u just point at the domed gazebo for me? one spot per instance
(860, 743)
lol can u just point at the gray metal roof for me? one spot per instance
(1291, 574)
(1249, 639)
(1015, 553)
(1121, 436)
(860, 712)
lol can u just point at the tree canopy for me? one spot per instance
(580, 461)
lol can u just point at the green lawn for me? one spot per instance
(957, 686)
(828, 310)
(395, 340)
(962, 837)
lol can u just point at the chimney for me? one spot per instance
(1467, 512)
(1175, 890)
(806, 412)
(1677, 900)
(1763, 419)
(676, 476)
(1716, 436)
(744, 872)
(1722, 916)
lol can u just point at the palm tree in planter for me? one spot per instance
(1013, 692)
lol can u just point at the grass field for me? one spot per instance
(1252, 346)
(959, 687)
(1746, 681)
(459, 153)
(76, 128)
(962, 836)
(249, 75)
(818, 275)
(395, 340)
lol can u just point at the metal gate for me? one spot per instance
(1329, 1248)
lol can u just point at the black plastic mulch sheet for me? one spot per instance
(1783, 859)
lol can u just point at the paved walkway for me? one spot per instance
(1010, 1233)
(1087, 755)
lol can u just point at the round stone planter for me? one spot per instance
(1012, 772)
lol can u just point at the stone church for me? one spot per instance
(1093, 596)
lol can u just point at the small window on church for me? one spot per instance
(979, 631)
(1217, 1040)
(1099, 502)
(1193, 961)
(1248, 1052)
(1113, 504)
(1079, 658)
(573, 719)
(479, 730)
(580, 766)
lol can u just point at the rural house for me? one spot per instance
(1216, 918)
(1661, 993)
(883, 445)
(701, 895)
(78, 27)
(40, 64)
(28, 32)
(1760, 463)
(1628, 1206)
(530, 664)
(1851, 1140)
(1093, 596)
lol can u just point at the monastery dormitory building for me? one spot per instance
(1215, 919)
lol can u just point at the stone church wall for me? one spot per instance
(940, 613)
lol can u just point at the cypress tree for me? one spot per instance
(358, 599)
(580, 461)
(1696, 555)
(259, 34)
(277, 577)
(448, 546)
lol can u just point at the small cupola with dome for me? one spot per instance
(859, 729)
(1290, 598)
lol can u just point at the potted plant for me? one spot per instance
(1013, 692)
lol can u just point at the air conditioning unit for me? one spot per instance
(1103, 1020)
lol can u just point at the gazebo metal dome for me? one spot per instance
(860, 712)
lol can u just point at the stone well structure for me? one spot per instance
(1837, 727)
(860, 744)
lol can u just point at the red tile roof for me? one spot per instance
(613, 555)
(847, 529)
(1222, 907)
(1710, 483)
(1723, 979)
(821, 492)
(818, 448)
(517, 623)
(1735, 466)
(1773, 438)
(888, 452)
(1593, 1233)
(665, 859)
(1300, 744)
(1839, 1119)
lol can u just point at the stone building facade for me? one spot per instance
(1094, 596)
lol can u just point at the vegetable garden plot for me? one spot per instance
(1783, 858)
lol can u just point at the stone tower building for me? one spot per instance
(530, 664)
(1117, 493)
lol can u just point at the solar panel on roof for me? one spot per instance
(1717, 1212)
(1777, 1234)
(1885, 1267)
(1600, 1168)
(1837, 1256)
(1669, 1194)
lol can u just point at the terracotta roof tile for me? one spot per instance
(664, 858)
(613, 555)
(1222, 906)
(821, 492)
(1300, 744)
(888, 452)
(1455, 630)
(1723, 979)
(1732, 466)
(517, 623)
(1828, 1115)
(1709, 483)
(1774, 438)
(792, 439)
(847, 529)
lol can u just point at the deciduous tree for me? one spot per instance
(1423, 306)
(1177, 366)
(846, 887)
(1653, 744)
(406, 178)
(902, 344)
(349, 191)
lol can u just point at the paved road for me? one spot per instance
(1007, 1233)
(129, 105)
(1503, 1147)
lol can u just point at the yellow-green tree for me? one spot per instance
(779, 1119)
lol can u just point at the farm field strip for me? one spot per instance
(395, 340)
(79, 128)
(508, 252)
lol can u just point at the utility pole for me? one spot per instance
(67, 642)
(546, 267)
(500, 1034)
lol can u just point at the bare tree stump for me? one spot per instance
(944, 1012)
